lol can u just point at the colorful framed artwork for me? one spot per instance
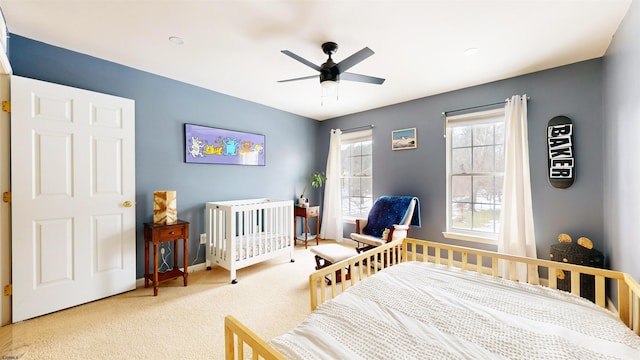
(404, 139)
(208, 145)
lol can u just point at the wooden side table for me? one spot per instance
(306, 213)
(159, 233)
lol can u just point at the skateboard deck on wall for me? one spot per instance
(561, 161)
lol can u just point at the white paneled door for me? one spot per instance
(73, 192)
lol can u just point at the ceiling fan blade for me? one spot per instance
(361, 78)
(300, 78)
(301, 59)
(352, 60)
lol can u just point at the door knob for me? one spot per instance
(127, 204)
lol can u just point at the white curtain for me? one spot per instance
(517, 236)
(332, 209)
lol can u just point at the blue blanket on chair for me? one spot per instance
(388, 211)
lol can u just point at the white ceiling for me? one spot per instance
(233, 46)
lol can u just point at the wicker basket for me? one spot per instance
(575, 254)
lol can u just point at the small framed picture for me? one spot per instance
(404, 139)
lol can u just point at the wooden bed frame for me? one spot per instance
(240, 340)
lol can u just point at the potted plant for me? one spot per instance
(318, 179)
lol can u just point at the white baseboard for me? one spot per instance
(192, 268)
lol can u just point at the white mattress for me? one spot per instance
(427, 311)
(256, 244)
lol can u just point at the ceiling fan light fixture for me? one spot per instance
(329, 92)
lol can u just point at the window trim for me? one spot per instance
(468, 119)
(471, 237)
(349, 219)
(356, 136)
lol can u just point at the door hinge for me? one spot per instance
(8, 290)
(6, 197)
(6, 106)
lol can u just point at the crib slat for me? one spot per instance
(281, 219)
(494, 267)
(230, 248)
(575, 283)
(222, 237)
(600, 291)
(636, 314)
(625, 307)
(270, 241)
(245, 233)
(255, 235)
(250, 241)
(240, 345)
(553, 278)
(260, 230)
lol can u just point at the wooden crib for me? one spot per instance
(241, 233)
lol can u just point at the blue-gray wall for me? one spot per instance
(162, 107)
(573, 90)
(622, 148)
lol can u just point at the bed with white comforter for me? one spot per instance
(420, 310)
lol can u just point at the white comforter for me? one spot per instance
(427, 311)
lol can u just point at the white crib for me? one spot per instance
(245, 232)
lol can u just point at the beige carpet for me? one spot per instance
(180, 323)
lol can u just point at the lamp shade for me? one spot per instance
(164, 207)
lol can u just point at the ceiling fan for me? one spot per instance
(330, 71)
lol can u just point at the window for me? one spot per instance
(475, 173)
(357, 173)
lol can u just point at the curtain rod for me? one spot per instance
(473, 107)
(358, 128)
(445, 113)
(478, 106)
